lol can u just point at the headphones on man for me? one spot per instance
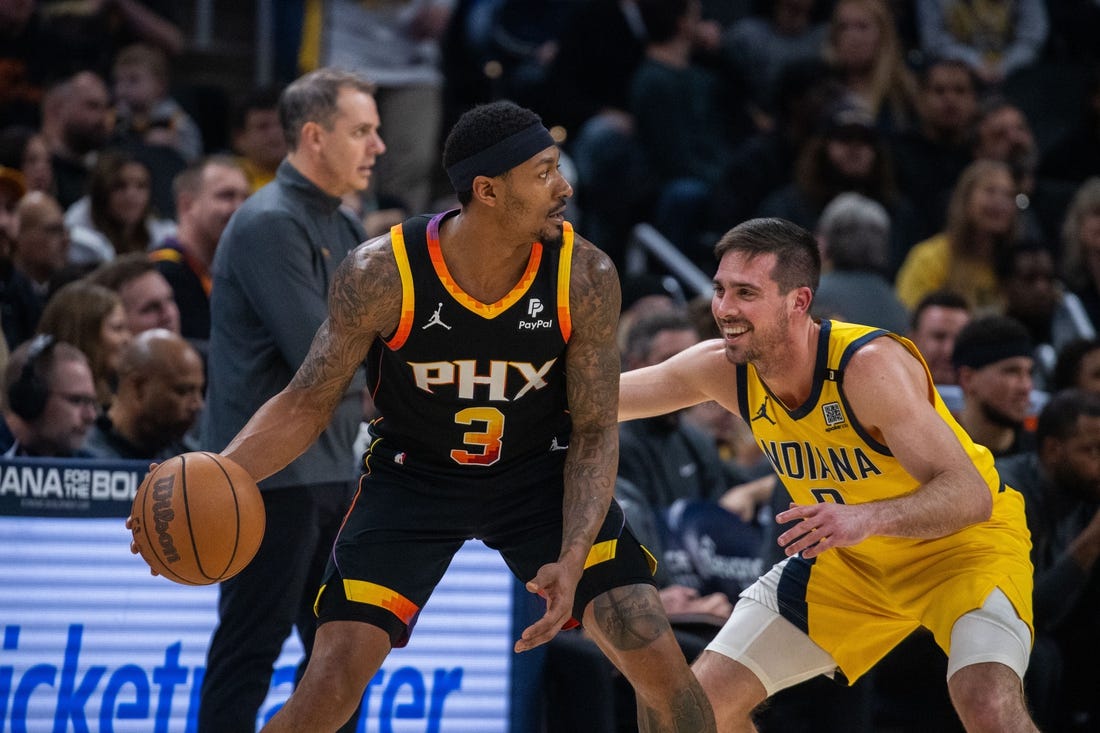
(27, 395)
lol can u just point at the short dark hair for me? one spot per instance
(1067, 369)
(1059, 416)
(938, 298)
(661, 18)
(313, 98)
(121, 270)
(260, 98)
(482, 127)
(640, 335)
(797, 258)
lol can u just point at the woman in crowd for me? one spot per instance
(91, 318)
(117, 214)
(982, 223)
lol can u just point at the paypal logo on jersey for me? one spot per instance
(534, 307)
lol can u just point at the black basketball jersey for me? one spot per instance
(467, 388)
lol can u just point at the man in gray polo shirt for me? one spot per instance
(271, 274)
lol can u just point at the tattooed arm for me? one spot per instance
(364, 301)
(592, 379)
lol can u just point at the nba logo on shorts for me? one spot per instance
(534, 307)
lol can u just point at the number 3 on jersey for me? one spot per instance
(484, 444)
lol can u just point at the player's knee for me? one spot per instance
(628, 619)
(987, 702)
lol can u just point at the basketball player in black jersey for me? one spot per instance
(489, 338)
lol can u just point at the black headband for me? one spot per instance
(500, 157)
(980, 355)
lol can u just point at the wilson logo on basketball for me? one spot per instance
(163, 514)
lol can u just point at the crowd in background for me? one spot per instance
(945, 152)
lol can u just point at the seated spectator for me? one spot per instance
(1078, 367)
(854, 234)
(49, 399)
(982, 220)
(24, 149)
(207, 194)
(686, 124)
(159, 397)
(146, 295)
(996, 38)
(117, 215)
(931, 154)
(75, 126)
(1081, 247)
(41, 241)
(1074, 155)
(1060, 481)
(1034, 296)
(91, 318)
(765, 162)
(144, 110)
(257, 135)
(863, 50)
(847, 154)
(994, 358)
(20, 304)
(756, 48)
(935, 324)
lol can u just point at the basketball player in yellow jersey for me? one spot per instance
(899, 520)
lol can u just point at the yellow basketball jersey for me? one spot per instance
(822, 453)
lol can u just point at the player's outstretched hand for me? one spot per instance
(822, 526)
(554, 583)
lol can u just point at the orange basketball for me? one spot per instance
(198, 518)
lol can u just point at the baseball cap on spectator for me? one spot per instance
(847, 119)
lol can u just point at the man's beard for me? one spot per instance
(1000, 418)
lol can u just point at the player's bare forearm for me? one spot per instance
(593, 391)
(361, 305)
(589, 487)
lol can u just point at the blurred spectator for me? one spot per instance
(258, 136)
(207, 194)
(20, 303)
(396, 45)
(24, 149)
(1081, 247)
(847, 154)
(1004, 133)
(76, 126)
(117, 215)
(1060, 481)
(49, 399)
(996, 38)
(931, 154)
(937, 320)
(29, 59)
(982, 220)
(144, 110)
(854, 234)
(994, 359)
(1074, 155)
(159, 397)
(686, 124)
(756, 48)
(42, 240)
(865, 54)
(1034, 296)
(108, 25)
(1078, 366)
(146, 296)
(600, 46)
(765, 162)
(91, 318)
